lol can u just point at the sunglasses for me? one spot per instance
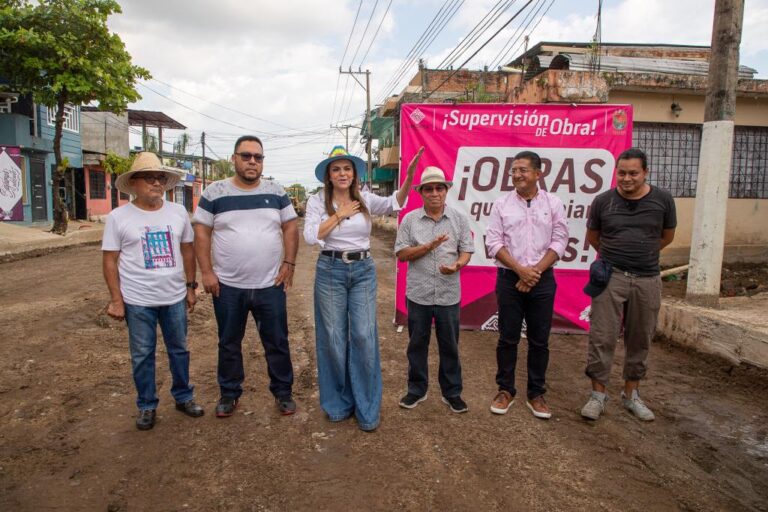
(246, 157)
(151, 178)
(436, 188)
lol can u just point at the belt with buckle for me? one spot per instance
(625, 272)
(348, 256)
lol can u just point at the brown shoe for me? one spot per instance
(539, 407)
(502, 402)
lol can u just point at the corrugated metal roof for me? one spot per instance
(610, 63)
(153, 119)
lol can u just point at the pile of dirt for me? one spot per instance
(736, 280)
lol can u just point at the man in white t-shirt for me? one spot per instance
(246, 240)
(149, 267)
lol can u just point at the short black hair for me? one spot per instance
(631, 153)
(248, 138)
(532, 157)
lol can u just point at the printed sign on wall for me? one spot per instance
(11, 205)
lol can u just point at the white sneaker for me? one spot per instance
(637, 407)
(595, 406)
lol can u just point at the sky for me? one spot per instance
(271, 68)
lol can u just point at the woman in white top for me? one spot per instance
(338, 218)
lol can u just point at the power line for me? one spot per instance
(477, 31)
(481, 47)
(376, 33)
(500, 61)
(446, 12)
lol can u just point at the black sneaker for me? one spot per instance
(190, 408)
(226, 407)
(410, 400)
(286, 405)
(456, 404)
(146, 419)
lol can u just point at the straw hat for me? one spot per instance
(340, 153)
(146, 161)
(432, 175)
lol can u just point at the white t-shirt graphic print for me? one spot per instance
(150, 264)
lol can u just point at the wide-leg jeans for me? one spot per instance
(268, 308)
(142, 339)
(347, 340)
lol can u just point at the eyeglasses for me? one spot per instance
(246, 157)
(436, 188)
(151, 178)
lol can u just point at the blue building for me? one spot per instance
(30, 127)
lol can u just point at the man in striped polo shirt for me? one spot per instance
(251, 226)
(436, 242)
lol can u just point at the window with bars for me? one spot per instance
(97, 185)
(71, 118)
(673, 158)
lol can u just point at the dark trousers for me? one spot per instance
(267, 306)
(447, 330)
(535, 307)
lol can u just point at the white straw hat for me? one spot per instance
(146, 161)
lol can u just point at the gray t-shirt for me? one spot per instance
(426, 285)
(630, 230)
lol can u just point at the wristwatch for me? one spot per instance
(192, 284)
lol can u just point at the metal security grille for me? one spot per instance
(673, 155)
(749, 163)
(97, 185)
(673, 158)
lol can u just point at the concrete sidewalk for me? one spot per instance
(20, 240)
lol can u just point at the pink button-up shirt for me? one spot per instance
(527, 230)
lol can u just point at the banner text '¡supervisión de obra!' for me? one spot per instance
(543, 124)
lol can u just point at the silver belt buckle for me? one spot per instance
(344, 257)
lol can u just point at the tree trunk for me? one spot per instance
(59, 206)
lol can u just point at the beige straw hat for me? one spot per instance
(146, 161)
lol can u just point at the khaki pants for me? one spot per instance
(638, 300)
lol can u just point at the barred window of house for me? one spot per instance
(71, 118)
(97, 184)
(673, 155)
(749, 163)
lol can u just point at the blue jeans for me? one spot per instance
(348, 364)
(447, 332)
(267, 306)
(142, 338)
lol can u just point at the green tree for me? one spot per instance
(223, 169)
(62, 52)
(297, 190)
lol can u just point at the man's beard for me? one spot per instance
(248, 179)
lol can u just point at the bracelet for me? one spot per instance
(288, 262)
(338, 219)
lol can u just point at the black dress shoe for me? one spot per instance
(146, 419)
(226, 407)
(190, 408)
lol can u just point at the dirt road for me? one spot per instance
(68, 442)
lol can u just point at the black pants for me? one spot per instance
(535, 307)
(447, 331)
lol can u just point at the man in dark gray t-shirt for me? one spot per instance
(628, 226)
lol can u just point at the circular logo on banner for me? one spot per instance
(619, 120)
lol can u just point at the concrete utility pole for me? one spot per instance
(346, 128)
(367, 88)
(707, 242)
(202, 142)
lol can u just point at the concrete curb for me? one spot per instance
(11, 251)
(729, 332)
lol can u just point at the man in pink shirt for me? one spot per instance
(527, 233)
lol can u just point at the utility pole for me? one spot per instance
(707, 242)
(202, 142)
(346, 128)
(367, 88)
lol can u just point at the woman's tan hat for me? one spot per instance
(146, 161)
(432, 175)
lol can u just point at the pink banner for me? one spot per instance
(475, 143)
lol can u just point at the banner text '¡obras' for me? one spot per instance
(486, 175)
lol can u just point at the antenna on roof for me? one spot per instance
(595, 47)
